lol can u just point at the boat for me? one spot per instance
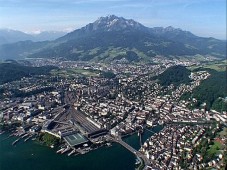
(60, 150)
(66, 150)
(160, 122)
(2, 132)
(137, 161)
(140, 132)
(11, 135)
(83, 152)
(108, 144)
(72, 152)
(149, 123)
(52, 146)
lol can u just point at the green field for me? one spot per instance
(75, 72)
(216, 65)
(223, 133)
(215, 148)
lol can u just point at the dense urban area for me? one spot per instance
(77, 107)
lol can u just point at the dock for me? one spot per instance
(24, 136)
(16, 141)
(26, 139)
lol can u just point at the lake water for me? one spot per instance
(32, 156)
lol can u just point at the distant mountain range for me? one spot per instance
(11, 36)
(116, 38)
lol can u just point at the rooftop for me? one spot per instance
(75, 139)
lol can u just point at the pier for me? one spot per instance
(16, 141)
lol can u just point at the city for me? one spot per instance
(113, 85)
(88, 109)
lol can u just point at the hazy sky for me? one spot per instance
(201, 17)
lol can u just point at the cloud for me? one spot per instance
(38, 31)
(68, 29)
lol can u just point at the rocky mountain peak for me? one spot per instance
(113, 23)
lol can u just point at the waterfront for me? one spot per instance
(27, 155)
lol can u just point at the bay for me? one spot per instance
(30, 155)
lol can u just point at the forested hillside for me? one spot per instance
(14, 71)
(174, 75)
(212, 91)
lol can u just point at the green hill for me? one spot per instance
(212, 91)
(14, 71)
(174, 75)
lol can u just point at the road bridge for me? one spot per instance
(150, 130)
(134, 151)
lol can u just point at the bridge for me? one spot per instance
(150, 130)
(131, 149)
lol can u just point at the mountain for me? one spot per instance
(20, 49)
(11, 36)
(48, 35)
(209, 45)
(105, 24)
(116, 38)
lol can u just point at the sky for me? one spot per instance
(206, 18)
